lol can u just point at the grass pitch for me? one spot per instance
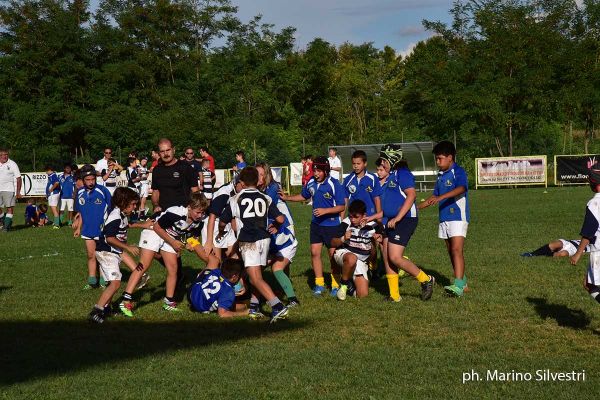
(522, 315)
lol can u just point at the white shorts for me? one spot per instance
(593, 272)
(450, 229)
(288, 252)
(568, 247)
(150, 240)
(109, 265)
(255, 253)
(66, 203)
(7, 199)
(143, 190)
(226, 241)
(361, 263)
(54, 200)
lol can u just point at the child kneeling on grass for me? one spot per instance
(176, 228)
(355, 246)
(590, 232)
(214, 290)
(110, 247)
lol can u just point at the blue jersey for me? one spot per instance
(273, 192)
(211, 291)
(92, 205)
(284, 238)
(52, 179)
(30, 212)
(327, 194)
(455, 208)
(394, 195)
(241, 165)
(366, 189)
(67, 186)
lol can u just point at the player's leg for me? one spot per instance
(317, 265)
(391, 273)
(278, 309)
(396, 257)
(327, 235)
(8, 217)
(592, 278)
(171, 264)
(132, 265)
(146, 257)
(109, 271)
(92, 265)
(362, 286)
(348, 261)
(279, 266)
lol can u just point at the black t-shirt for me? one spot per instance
(174, 182)
(196, 165)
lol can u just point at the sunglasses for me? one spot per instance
(190, 153)
(108, 152)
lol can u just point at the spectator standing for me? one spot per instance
(102, 164)
(155, 160)
(195, 164)
(206, 156)
(335, 164)
(10, 188)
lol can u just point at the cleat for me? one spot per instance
(143, 281)
(293, 302)
(279, 313)
(96, 316)
(89, 287)
(341, 293)
(319, 290)
(390, 299)
(55, 227)
(102, 285)
(454, 291)
(334, 291)
(255, 314)
(126, 308)
(170, 306)
(401, 273)
(427, 288)
(526, 255)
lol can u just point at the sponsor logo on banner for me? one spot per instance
(511, 170)
(574, 169)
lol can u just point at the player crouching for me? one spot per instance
(214, 290)
(355, 245)
(176, 228)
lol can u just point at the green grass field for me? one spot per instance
(521, 314)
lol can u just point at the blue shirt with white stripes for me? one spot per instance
(327, 194)
(367, 188)
(455, 208)
(394, 193)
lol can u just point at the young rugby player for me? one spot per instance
(110, 247)
(557, 248)
(328, 201)
(143, 172)
(175, 228)
(451, 193)
(222, 246)
(207, 179)
(92, 201)
(67, 190)
(214, 290)
(398, 206)
(590, 233)
(53, 194)
(253, 209)
(355, 245)
(363, 185)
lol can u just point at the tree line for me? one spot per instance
(505, 77)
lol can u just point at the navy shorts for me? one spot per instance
(403, 231)
(323, 234)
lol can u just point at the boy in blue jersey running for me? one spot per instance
(398, 207)
(92, 202)
(451, 193)
(214, 290)
(328, 201)
(67, 190)
(53, 194)
(363, 185)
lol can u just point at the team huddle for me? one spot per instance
(247, 227)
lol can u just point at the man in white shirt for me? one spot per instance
(102, 164)
(335, 164)
(9, 175)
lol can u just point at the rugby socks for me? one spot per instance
(334, 283)
(127, 296)
(320, 281)
(92, 281)
(254, 303)
(461, 283)
(7, 221)
(285, 283)
(394, 286)
(543, 251)
(422, 277)
(102, 282)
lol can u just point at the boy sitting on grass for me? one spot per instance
(589, 236)
(214, 290)
(42, 217)
(31, 213)
(110, 247)
(355, 245)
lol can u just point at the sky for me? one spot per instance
(396, 23)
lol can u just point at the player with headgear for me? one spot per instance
(590, 231)
(329, 202)
(398, 207)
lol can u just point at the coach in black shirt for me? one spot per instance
(172, 180)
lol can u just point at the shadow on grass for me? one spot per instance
(3, 288)
(35, 349)
(564, 316)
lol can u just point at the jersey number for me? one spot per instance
(211, 286)
(255, 208)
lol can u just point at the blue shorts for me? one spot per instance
(323, 234)
(402, 232)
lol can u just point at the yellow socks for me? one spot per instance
(334, 283)
(422, 277)
(320, 281)
(394, 286)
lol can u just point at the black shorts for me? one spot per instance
(403, 231)
(323, 234)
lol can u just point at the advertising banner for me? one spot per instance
(296, 174)
(501, 171)
(573, 170)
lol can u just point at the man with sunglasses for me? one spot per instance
(195, 164)
(102, 164)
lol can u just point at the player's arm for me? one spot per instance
(162, 233)
(411, 195)
(580, 250)
(143, 225)
(343, 234)
(225, 218)
(19, 184)
(225, 313)
(117, 244)
(296, 197)
(432, 200)
(155, 199)
(588, 234)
